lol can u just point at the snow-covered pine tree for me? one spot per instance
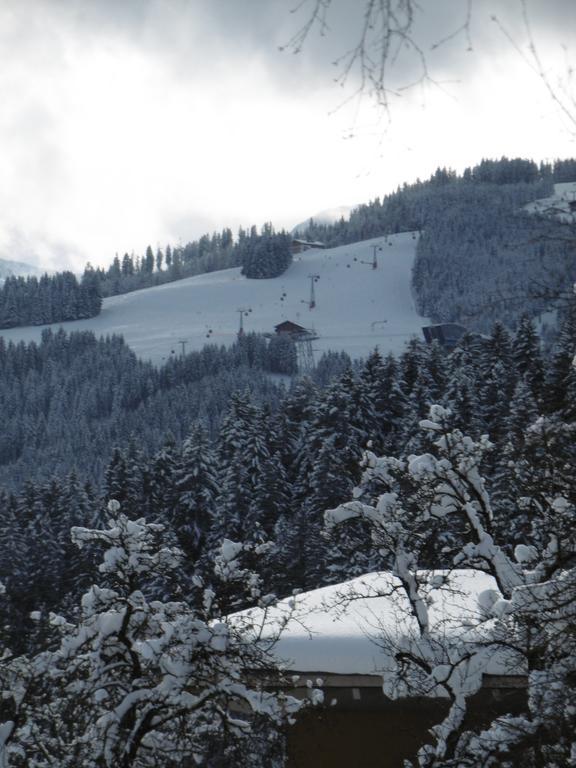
(194, 492)
(328, 460)
(139, 682)
(15, 556)
(498, 376)
(160, 478)
(126, 478)
(386, 391)
(527, 355)
(527, 619)
(561, 365)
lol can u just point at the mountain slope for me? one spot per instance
(560, 203)
(16, 268)
(356, 308)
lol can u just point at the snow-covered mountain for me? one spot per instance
(15, 268)
(327, 216)
(357, 307)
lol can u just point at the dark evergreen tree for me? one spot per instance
(159, 481)
(282, 356)
(194, 492)
(148, 262)
(528, 356)
(560, 366)
(266, 255)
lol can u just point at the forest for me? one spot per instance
(49, 299)
(211, 445)
(260, 254)
(488, 255)
(142, 508)
(263, 474)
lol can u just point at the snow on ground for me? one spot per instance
(557, 204)
(356, 309)
(330, 634)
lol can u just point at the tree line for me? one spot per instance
(273, 462)
(266, 478)
(62, 297)
(479, 254)
(263, 253)
(452, 212)
(70, 398)
(48, 299)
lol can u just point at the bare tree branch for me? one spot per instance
(387, 30)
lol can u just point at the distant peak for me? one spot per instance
(17, 269)
(327, 216)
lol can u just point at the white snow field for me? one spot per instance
(557, 204)
(357, 307)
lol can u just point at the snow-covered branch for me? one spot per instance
(140, 681)
(524, 623)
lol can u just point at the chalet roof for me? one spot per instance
(333, 635)
(445, 333)
(309, 243)
(289, 327)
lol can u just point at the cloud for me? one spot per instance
(128, 122)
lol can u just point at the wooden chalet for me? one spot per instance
(446, 334)
(298, 246)
(288, 328)
(360, 727)
(334, 644)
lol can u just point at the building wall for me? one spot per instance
(372, 732)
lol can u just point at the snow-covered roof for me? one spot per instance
(309, 243)
(288, 325)
(343, 629)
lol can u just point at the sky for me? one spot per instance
(125, 123)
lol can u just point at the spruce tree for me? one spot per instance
(195, 488)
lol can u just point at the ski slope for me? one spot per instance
(558, 204)
(357, 307)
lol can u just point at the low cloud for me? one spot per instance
(126, 122)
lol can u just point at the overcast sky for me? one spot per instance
(129, 122)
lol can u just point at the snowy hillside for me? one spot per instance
(356, 309)
(15, 268)
(557, 204)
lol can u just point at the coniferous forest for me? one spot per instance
(479, 252)
(141, 507)
(210, 445)
(50, 299)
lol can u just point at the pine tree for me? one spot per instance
(561, 363)
(148, 262)
(461, 398)
(160, 479)
(528, 356)
(195, 489)
(523, 413)
(385, 390)
(15, 558)
(328, 467)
